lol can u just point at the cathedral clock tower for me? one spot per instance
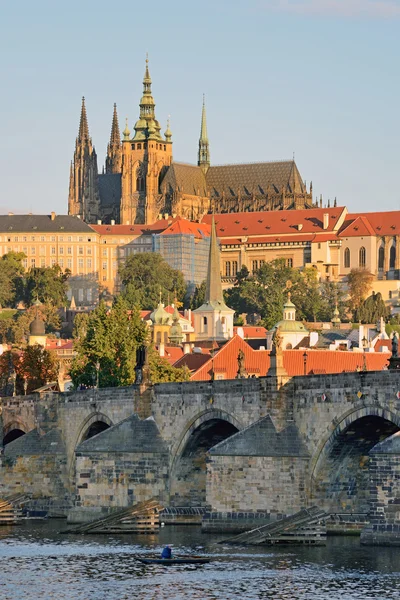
(145, 157)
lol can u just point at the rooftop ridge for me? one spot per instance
(255, 162)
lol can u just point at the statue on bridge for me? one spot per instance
(241, 372)
(277, 342)
(394, 360)
(141, 364)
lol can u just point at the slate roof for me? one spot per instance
(131, 435)
(34, 444)
(262, 439)
(110, 189)
(254, 177)
(42, 224)
(185, 178)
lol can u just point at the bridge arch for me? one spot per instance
(189, 456)
(93, 424)
(339, 478)
(13, 431)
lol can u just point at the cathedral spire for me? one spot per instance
(214, 285)
(204, 151)
(114, 153)
(83, 134)
(147, 127)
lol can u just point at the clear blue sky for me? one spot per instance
(316, 77)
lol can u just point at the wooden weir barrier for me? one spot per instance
(304, 527)
(139, 518)
(10, 509)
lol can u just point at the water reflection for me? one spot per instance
(38, 562)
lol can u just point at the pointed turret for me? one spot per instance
(213, 319)
(83, 196)
(83, 133)
(214, 285)
(204, 150)
(114, 151)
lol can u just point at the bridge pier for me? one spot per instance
(384, 516)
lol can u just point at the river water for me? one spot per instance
(36, 561)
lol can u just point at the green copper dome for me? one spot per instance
(160, 315)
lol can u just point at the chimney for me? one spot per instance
(112, 222)
(326, 221)
(161, 349)
(98, 221)
(53, 215)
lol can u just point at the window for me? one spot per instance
(254, 265)
(53, 262)
(69, 250)
(61, 250)
(24, 238)
(80, 250)
(392, 257)
(25, 250)
(61, 263)
(104, 265)
(61, 238)
(80, 239)
(234, 267)
(25, 263)
(42, 238)
(88, 251)
(139, 146)
(390, 295)
(42, 250)
(290, 262)
(133, 146)
(362, 258)
(33, 262)
(80, 265)
(69, 263)
(89, 263)
(32, 238)
(70, 238)
(53, 238)
(15, 238)
(42, 262)
(33, 250)
(347, 258)
(104, 251)
(381, 258)
(227, 269)
(53, 250)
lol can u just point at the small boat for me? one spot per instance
(177, 560)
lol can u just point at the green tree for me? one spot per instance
(332, 293)
(48, 284)
(106, 343)
(371, 309)
(34, 367)
(160, 371)
(359, 283)
(198, 297)
(11, 278)
(144, 275)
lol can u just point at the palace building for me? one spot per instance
(140, 180)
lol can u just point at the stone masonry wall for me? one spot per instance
(272, 485)
(119, 479)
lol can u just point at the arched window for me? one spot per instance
(227, 269)
(392, 257)
(204, 320)
(234, 268)
(347, 258)
(158, 338)
(381, 258)
(362, 258)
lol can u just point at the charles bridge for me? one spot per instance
(271, 445)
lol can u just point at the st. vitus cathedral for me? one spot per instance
(141, 180)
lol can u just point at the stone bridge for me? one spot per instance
(269, 444)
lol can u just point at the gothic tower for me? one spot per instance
(83, 197)
(204, 150)
(114, 149)
(145, 157)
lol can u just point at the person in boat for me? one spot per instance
(167, 552)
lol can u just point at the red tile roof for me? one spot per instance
(172, 353)
(356, 227)
(382, 223)
(387, 344)
(183, 226)
(118, 229)
(276, 222)
(251, 332)
(257, 361)
(192, 361)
